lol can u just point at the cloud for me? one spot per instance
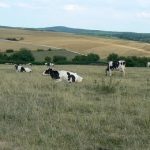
(4, 5)
(74, 8)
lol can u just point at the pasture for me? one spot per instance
(101, 113)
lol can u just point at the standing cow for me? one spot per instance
(115, 65)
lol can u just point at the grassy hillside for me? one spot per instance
(38, 113)
(72, 42)
(40, 55)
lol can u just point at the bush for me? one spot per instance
(59, 59)
(3, 56)
(22, 55)
(49, 49)
(40, 50)
(113, 57)
(9, 51)
(48, 59)
(93, 57)
(83, 59)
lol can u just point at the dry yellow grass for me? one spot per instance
(78, 43)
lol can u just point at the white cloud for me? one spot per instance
(4, 5)
(74, 8)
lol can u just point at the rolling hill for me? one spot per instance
(78, 44)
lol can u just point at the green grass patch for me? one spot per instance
(38, 113)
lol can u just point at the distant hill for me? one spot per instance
(143, 37)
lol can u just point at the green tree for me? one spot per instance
(59, 59)
(22, 55)
(113, 57)
(93, 57)
(48, 59)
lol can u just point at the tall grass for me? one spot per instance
(99, 113)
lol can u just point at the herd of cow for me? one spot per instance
(74, 77)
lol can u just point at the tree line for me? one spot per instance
(25, 56)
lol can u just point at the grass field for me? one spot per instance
(40, 55)
(36, 113)
(77, 43)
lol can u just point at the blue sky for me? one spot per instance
(109, 15)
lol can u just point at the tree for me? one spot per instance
(93, 57)
(59, 59)
(22, 55)
(9, 50)
(48, 59)
(90, 58)
(113, 57)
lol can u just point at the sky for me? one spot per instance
(108, 15)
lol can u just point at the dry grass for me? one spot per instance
(81, 44)
(38, 113)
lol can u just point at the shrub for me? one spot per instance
(58, 59)
(22, 55)
(40, 50)
(93, 57)
(48, 59)
(90, 58)
(9, 51)
(49, 49)
(113, 57)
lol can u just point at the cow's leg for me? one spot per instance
(123, 72)
(106, 71)
(110, 72)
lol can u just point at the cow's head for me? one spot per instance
(47, 72)
(16, 66)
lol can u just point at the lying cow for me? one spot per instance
(63, 75)
(116, 65)
(20, 68)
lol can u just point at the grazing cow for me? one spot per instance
(148, 64)
(63, 75)
(20, 68)
(116, 65)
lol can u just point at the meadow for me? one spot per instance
(101, 113)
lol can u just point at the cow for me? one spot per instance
(63, 75)
(20, 68)
(148, 64)
(115, 65)
(49, 64)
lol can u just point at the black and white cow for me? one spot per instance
(116, 65)
(20, 68)
(63, 75)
